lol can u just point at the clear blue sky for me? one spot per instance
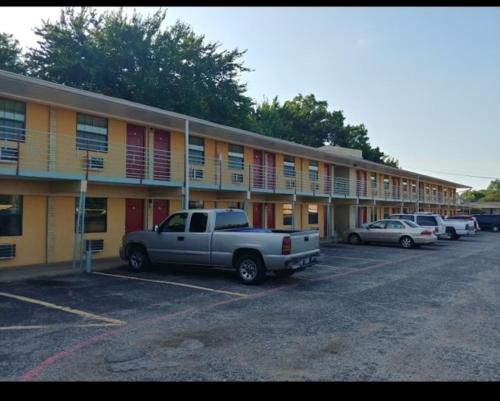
(424, 81)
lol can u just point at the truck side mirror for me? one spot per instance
(156, 228)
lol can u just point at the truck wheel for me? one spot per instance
(283, 273)
(495, 229)
(250, 269)
(406, 242)
(138, 260)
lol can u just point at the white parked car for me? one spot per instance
(458, 227)
(430, 221)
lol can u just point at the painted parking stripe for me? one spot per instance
(83, 314)
(236, 294)
(56, 326)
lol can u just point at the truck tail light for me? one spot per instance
(286, 247)
(426, 232)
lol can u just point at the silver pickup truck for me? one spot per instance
(221, 237)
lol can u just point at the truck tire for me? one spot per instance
(138, 259)
(283, 273)
(452, 233)
(250, 269)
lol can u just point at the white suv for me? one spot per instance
(434, 222)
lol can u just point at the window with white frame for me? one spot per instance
(236, 157)
(386, 183)
(405, 185)
(313, 170)
(196, 150)
(91, 133)
(289, 166)
(313, 214)
(12, 120)
(373, 180)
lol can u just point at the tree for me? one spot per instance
(490, 194)
(10, 54)
(135, 59)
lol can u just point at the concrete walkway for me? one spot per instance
(10, 274)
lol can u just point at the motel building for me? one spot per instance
(73, 161)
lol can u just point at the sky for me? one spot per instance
(425, 81)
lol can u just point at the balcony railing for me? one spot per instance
(51, 155)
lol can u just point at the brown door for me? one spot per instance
(134, 215)
(135, 151)
(257, 215)
(161, 168)
(270, 215)
(257, 172)
(160, 210)
(271, 170)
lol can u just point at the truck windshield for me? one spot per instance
(225, 220)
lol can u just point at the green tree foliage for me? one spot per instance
(490, 194)
(306, 120)
(10, 54)
(135, 59)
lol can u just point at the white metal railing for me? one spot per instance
(44, 154)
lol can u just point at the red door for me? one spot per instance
(160, 210)
(271, 171)
(327, 179)
(134, 215)
(257, 172)
(270, 215)
(395, 187)
(362, 216)
(161, 168)
(257, 215)
(135, 151)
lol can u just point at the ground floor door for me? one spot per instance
(362, 216)
(270, 215)
(257, 215)
(160, 210)
(134, 215)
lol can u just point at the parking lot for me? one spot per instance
(364, 313)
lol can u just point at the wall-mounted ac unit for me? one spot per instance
(94, 245)
(7, 251)
(95, 163)
(314, 186)
(290, 184)
(237, 178)
(196, 174)
(8, 154)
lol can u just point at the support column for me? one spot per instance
(294, 200)
(78, 243)
(51, 222)
(186, 167)
(52, 140)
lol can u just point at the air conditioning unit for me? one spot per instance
(237, 178)
(196, 174)
(8, 154)
(7, 251)
(290, 184)
(95, 163)
(94, 245)
(314, 186)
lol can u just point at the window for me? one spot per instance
(289, 166)
(95, 215)
(411, 224)
(313, 171)
(12, 120)
(235, 205)
(313, 214)
(380, 225)
(236, 160)
(232, 219)
(394, 225)
(175, 223)
(387, 212)
(373, 180)
(426, 221)
(11, 215)
(196, 205)
(198, 223)
(414, 188)
(287, 214)
(196, 150)
(91, 133)
(386, 183)
(405, 185)
(427, 189)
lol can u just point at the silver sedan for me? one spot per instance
(403, 232)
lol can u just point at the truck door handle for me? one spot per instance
(180, 238)
(306, 239)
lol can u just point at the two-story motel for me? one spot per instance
(58, 144)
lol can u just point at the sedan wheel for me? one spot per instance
(354, 239)
(406, 242)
